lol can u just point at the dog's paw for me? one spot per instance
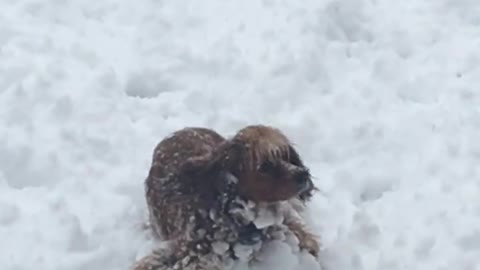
(306, 240)
(310, 244)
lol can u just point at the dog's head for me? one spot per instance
(267, 166)
(264, 161)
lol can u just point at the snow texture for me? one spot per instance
(381, 98)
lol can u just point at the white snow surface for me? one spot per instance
(381, 98)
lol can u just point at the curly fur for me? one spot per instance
(204, 192)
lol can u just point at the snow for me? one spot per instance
(381, 98)
(266, 218)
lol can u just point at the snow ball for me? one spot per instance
(278, 234)
(243, 252)
(292, 241)
(220, 248)
(231, 179)
(268, 217)
(276, 255)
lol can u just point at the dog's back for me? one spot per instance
(169, 198)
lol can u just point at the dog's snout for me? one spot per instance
(301, 178)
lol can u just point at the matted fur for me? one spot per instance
(198, 186)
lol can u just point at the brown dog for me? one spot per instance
(199, 184)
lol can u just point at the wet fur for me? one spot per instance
(197, 173)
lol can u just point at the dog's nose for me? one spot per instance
(301, 179)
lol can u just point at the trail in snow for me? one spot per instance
(381, 98)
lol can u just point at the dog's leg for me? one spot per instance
(307, 240)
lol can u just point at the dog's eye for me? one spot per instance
(266, 167)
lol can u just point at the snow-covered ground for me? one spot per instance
(381, 97)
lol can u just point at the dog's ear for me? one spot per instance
(225, 157)
(196, 165)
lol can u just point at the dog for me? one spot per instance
(204, 192)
